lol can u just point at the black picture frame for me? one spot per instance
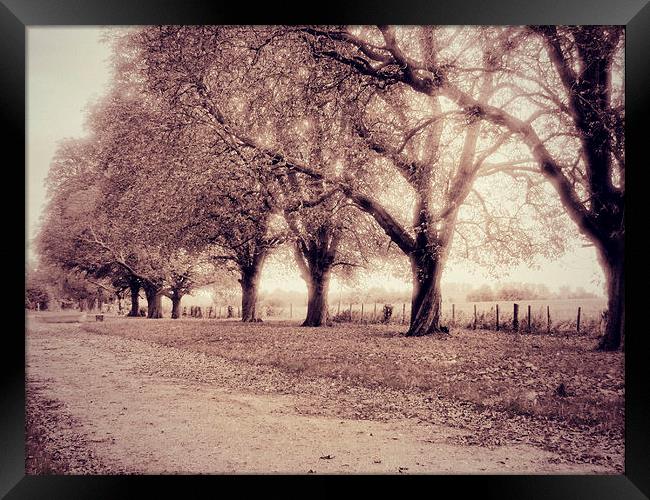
(16, 16)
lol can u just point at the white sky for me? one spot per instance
(68, 66)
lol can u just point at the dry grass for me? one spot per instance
(38, 460)
(38, 456)
(519, 374)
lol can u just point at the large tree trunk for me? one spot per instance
(425, 302)
(176, 305)
(317, 289)
(315, 259)
(614, 269)
(249, 285)
(154, 302)
(251, 271)
(134, 287)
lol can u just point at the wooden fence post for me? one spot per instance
(475, 318)
(548, 319)
(497, 317)
(515, 317)
(578, 321)
(362, 312)
(528, 318)
(403, 313)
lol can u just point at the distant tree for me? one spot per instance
(225, 290)
(72, 199)
(564, 292)
(36, 294)
(483, 294)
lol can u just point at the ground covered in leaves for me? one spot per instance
(498, 389)
(555, 393)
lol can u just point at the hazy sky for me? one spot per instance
(67, 67)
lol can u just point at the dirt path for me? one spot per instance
(131, 420)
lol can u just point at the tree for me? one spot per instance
(246, 245)
(36, 289)
(483, 294)
(589, 107)
(48, 284)
(588, 63)
(420, 139)
(315, 250)
(227, 215)
(328, 237)
(327, 233)
(421, 146)
(434, 226)
(76, 229)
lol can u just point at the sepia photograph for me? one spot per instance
(325, 249)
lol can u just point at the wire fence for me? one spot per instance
(549, 317)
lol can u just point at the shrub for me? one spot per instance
(343, 317)
(273, 310)
(388, 313)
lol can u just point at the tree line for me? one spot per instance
(526, 291)
(216, 145)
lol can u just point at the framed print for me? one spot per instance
(379, 240)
